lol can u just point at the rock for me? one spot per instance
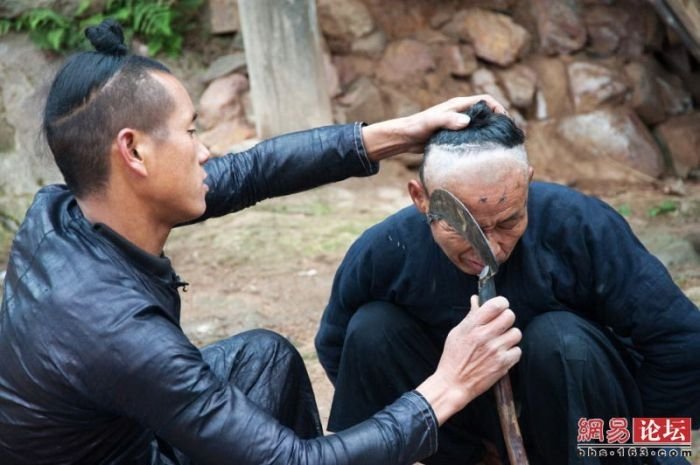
(332, 78)
(694, 239)
(350, 67)
(519, 82)
(674, 252)
(680, 137)
(657, 94)
(227, 134)
(222, 113)
(457, 60)
(676, 99)
(605, 145)
(405, 60)
(552, 96)
(495, 36)
(363, 102)
(371, 45)
(625, 28)
(484, 82)
(7, 131)
(593, 84)
(25, 162)
(606, 27)
(654, 31)
(618, 134)
(224, 65)
(431, 37)
(560, 26)
(399, 104)
(243, 145)
(646, 97)
(222, 100)
(223, 17)
(441, 17)
(693, 294)
(401, 19)
(441, 88)
(343, 21)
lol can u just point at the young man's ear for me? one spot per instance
(530, 173)
(127, 149)
(418, 195)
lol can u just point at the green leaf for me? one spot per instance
(624, 210)
(91, 21)
(667, 206)
(154, 46)
(44, 16)
(122, 14)
(55, 38)
(159, 23)
(82, 7)
(5, 25)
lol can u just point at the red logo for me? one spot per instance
(661, 431)
(618, 432)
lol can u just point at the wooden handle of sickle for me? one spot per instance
(509, 422)
(504, 399)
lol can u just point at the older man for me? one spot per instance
(606, 331)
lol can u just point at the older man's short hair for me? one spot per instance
(487, 131)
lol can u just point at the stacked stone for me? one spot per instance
(603, 88)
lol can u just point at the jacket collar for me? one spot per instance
(158, 265)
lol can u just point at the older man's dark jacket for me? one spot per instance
(94, 364)
(577, 255)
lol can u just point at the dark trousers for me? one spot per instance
(271, 373)
(570, 368)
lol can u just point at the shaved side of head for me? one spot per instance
(489, 147)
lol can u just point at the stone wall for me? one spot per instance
(597, 85)
(602, 87)
(24, 162)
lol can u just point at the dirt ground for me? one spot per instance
(272, 265)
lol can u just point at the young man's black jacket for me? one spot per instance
(94, 364)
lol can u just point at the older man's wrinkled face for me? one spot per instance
(496, 197)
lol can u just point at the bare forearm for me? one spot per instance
(444, 398)
(385, 139)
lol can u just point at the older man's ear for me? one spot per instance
(418, 195)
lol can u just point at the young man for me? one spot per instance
(606, 331)
(95, 368)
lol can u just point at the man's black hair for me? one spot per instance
(486, 128)
(94, 96)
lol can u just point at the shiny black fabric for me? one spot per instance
(95, 365)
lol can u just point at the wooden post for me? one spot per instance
(283, 51)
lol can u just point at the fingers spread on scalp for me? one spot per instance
(456, 121)
(463, 103)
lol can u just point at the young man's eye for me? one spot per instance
(192, 132)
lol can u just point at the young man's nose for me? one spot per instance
(203, 154)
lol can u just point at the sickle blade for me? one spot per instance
(445, 206)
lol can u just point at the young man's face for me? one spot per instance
(497, 198)
(177, 177)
